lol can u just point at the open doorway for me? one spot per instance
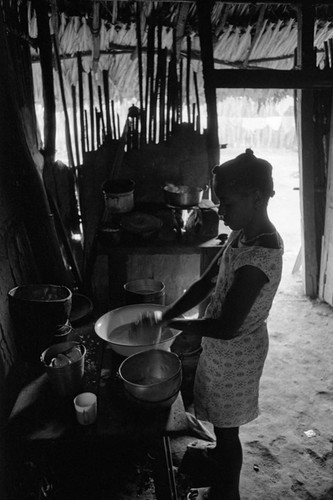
(269, 129)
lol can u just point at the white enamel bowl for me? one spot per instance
(106, 324)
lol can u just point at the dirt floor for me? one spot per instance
(288, 450)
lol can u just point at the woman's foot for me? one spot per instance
(198, 494)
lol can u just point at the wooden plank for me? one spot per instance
(305, 59)
(305, 129)
(233, 2)
(270, 78)
(306, 55)
(326, 264)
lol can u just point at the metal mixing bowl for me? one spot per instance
(151, 376)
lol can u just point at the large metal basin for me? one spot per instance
(106, 326)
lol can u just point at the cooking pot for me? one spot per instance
(144, 291)
(151, 376)
(118, 195)
(182, 195)
(106, 327)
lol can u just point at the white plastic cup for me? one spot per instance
(86, 408)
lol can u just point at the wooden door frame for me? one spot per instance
(304, 78)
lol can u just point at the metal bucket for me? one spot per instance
(118, 195)
(144, 291)
(66, 380)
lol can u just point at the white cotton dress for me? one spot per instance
(226, 390)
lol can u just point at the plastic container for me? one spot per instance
(66, 380)
(144, 291)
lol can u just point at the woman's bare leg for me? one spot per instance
(228, 455)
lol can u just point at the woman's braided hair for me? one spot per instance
(246, 172)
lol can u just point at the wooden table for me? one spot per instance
(40, 416)
(177, 264)
(120, 417)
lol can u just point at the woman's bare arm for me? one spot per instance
(241, 296)
(196, 293)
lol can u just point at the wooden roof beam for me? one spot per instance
(234, 2)
(273, 78)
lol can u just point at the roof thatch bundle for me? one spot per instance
(245, 35)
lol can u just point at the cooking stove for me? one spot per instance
(184, 219)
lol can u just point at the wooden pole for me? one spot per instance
(140, 68)
(188, 72)
(305, 110)
(198, 101)
(113, 116)
(101, 114)
(45, 48)
(107, 102)
(151, 53)
(206, 43)
(64, 104)
(81, 102)
(92, 113)
(162, 95)
(21, 166)
(76, 136)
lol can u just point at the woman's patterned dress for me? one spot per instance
(226, 390)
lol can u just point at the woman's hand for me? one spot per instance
(147, 328)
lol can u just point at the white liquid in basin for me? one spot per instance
(123, 335)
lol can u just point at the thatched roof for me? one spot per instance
(245, 35)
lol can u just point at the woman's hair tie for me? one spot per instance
(246, 171)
